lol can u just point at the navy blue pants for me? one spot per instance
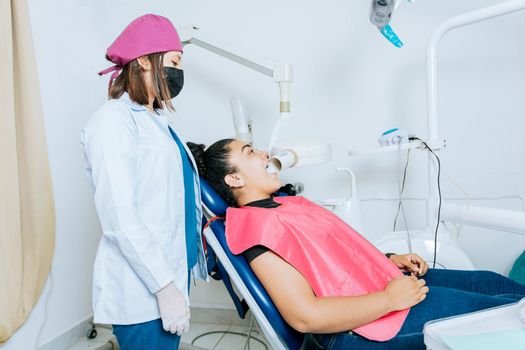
(145, 336)
(451, 293)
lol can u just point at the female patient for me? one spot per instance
(325, 278)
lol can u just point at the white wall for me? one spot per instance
(349, 86)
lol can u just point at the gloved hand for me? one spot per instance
(174, 311)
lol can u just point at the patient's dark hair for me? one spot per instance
(213, 165)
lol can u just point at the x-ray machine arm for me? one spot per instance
(280, 73)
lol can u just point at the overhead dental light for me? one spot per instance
(381, 12)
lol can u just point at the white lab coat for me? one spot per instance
(135, 169)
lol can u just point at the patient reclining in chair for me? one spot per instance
(323, 276)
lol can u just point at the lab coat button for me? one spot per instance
(179, 196)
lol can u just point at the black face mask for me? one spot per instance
(175, 78)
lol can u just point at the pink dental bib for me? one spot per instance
(333, 257)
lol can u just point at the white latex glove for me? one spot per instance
(174, 311)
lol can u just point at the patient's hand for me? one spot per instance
(411, 263)
(406, 291)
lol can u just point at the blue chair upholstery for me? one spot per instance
(289, 337)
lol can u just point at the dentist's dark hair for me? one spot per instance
(213, 165)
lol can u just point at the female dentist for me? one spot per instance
(146, 192)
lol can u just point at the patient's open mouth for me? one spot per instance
(271, 168)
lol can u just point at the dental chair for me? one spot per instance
(278, 333)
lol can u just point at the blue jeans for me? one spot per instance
(451, 293)
(145, 336)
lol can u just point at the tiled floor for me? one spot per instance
(201, 336)
(103, 336)
(218, 340)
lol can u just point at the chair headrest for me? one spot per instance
(212, 200)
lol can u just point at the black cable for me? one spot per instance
(402, 189)
(439, 192)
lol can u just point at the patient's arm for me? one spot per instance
(305, 312)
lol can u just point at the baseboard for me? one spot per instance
(70, 336)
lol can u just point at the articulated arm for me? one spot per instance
(281, 73)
